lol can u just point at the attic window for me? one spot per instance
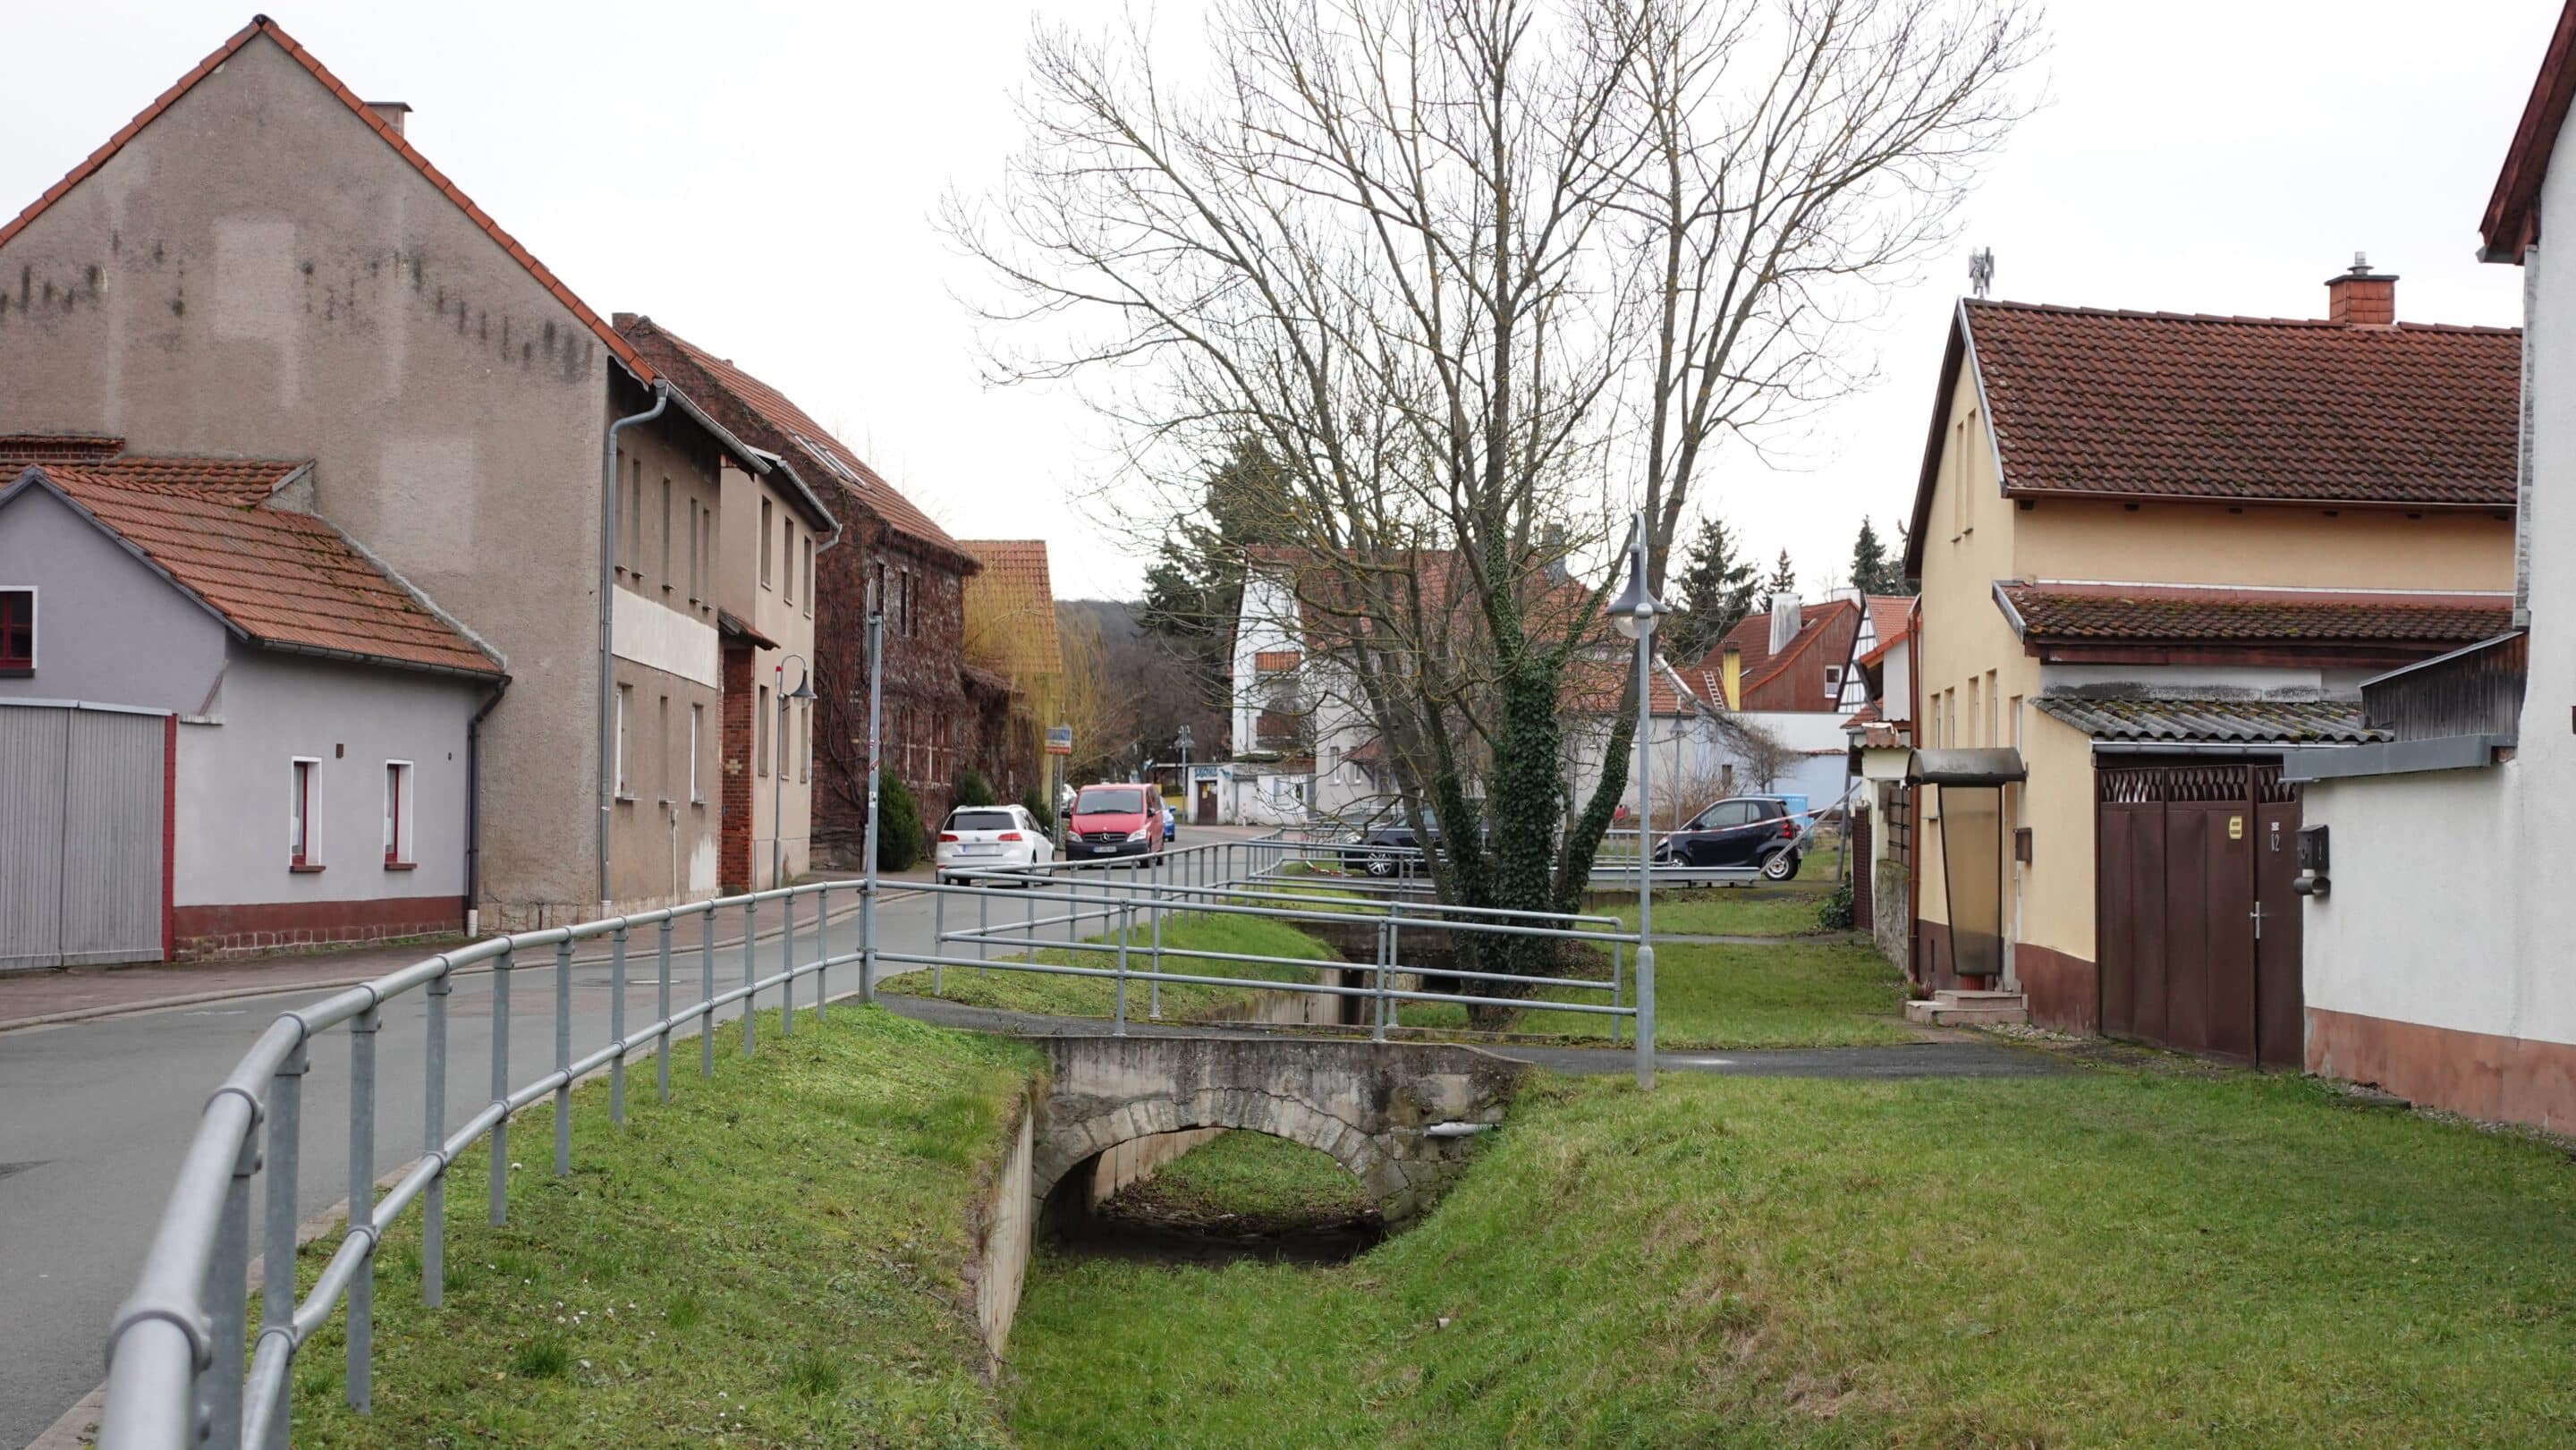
(17, 632)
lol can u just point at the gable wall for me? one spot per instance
(257, 273)
(109, 630)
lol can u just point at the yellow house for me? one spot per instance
(1011, 631)
(2155, 550)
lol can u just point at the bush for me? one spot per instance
(898, 824)
(973, 790)
(1834, 913)
(1035, 803)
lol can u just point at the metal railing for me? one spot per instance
(176, 1347)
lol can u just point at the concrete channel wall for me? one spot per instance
(1004, 1228)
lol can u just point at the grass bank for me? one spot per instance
(1247, 1181)
(1729, 911)
(2103, 1259)
(1097, 996)
(770, 1259)
(1785, 994)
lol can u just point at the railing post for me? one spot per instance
(822, 951)
(499, 1207)
(1124, 909)
(707, 993)
(1618, 963)
(362, 1204)
(938, 934)
(787, 965)
(662, 1002)
(433, 1133)
(983, 920)
(1154, 984)
(225, 1295)
(1385, 954)
(750, 974)
(277, 1246)
(617, 1025)
(1645, 1014)
(563, 1057)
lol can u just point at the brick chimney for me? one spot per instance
(391, 113)
(2362, 297)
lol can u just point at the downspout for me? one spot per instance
(474, 810)
(608, 616)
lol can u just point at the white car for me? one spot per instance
(989, 838)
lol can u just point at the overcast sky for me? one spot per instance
(760, 177)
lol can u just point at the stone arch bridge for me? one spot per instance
(1400, 1116)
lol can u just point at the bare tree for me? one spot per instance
(1478, 276)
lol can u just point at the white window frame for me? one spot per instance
(760, 728)
(303, 797)
(625, 695)
(400, 798)
(697, 722)
(764, 545)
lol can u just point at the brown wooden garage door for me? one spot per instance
(2199, 934)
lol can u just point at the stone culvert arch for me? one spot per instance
(1369, 1106)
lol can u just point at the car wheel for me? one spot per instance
(1381, 866)
(1780, 866)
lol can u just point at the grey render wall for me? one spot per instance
(235, 777)
(109, 629)
(662, 845)
(257, 273)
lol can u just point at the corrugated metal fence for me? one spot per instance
(81, 843)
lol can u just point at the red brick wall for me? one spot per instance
(222, 931)
(927, 728)
(733, 770)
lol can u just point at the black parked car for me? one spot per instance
(1389, 847)
(1751, 830)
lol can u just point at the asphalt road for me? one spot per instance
(94, 1117)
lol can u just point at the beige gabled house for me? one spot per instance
(2156, 552)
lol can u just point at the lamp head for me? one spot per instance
(1633, 612)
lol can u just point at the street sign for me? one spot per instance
(1059, 740)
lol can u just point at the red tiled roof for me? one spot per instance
(24, 448)
(2145, 614)
(1011, 606)
(283, 579)
(2162, 405)
(1830, 626)
(262, 25)
(831, 459)
(2512, 220)
(1889, 617)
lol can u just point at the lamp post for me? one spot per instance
(778, 772)
(1185, 740)
(1633, 614)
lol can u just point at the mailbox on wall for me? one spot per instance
(2313, 880)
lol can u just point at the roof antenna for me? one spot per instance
(1981, 271)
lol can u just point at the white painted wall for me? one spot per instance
(2449, 888)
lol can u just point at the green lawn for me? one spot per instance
(2106, 1259)
(771, 1259)
(1729, 911)
(1788, 994)
(1251, 1178)
(1097, 996)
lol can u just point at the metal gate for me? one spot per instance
(84, 857)
(2199, 930)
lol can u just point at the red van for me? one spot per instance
(1114, 819)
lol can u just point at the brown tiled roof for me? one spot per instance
(262, 25)
(2218, 722)
(796, 433)
(2163, 405)
(2146, 614)
(1010, 607)
(283, 579)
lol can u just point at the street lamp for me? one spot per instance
(778, 771)
(1633, 614)
(1185, 740)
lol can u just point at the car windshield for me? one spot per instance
(1104, 801)
(981, 821)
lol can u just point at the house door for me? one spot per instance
(84, 865)
(1206, 810)
(2198, 927)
